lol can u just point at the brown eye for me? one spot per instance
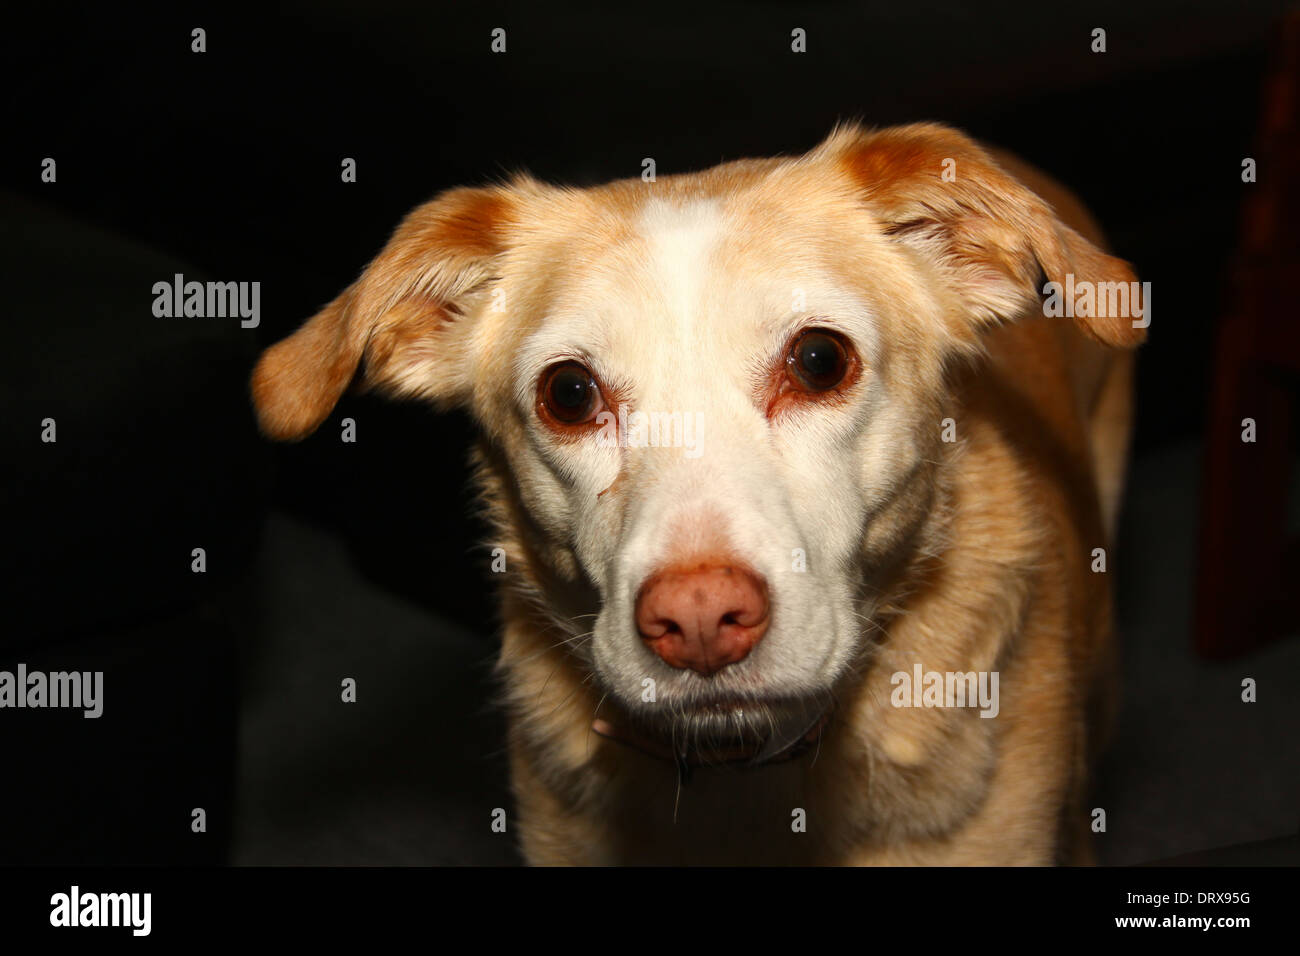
(818, 360)
(569, 394)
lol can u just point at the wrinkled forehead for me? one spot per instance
(692, 290)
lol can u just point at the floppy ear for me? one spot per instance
(993, 237)
(398, 317)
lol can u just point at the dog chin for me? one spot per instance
(721, 732)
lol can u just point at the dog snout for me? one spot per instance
(703, 617)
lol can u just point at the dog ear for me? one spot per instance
(400, 318)
(938, 191)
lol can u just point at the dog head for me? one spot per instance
(715, 397)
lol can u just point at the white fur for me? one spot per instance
(673, 324)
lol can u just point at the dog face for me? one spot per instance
(716, 399)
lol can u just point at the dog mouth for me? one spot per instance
(723, 733)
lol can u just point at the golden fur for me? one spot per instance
(981, 556)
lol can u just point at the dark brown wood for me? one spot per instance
(1247, 583)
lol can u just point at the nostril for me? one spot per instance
(750, 617)
(752, 614)
(652, 628)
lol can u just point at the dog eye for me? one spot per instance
(569, 394)
(818, 360)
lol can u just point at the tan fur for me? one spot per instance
(982, 558)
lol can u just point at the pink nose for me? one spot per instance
(703, 616)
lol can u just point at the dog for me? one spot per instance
(761, 643)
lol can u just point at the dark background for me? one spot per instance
(225, 165)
